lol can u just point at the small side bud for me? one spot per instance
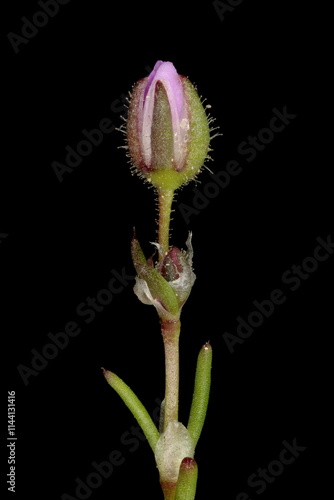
(176, 268)
(151, 287)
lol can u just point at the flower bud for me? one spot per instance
(176, 268)
(167, 284)
(151, 287)
(168, 132)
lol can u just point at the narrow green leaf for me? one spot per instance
(201, 394)
(137, 409)
(187, 481)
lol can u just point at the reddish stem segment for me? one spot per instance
(169, 490)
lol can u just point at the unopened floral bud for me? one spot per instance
(168, 132)
(151, 287)
(171, 266)
(166, 285)
(176, 268)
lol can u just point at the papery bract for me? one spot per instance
(172, 447)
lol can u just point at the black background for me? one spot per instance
(64, 239)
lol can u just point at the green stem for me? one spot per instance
(201, 394)
(170, 332)
(165, 200)
(135, 406)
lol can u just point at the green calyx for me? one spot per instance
(162, 131)
(198, 141)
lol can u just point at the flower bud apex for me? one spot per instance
(167, 129)
(176, 268)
